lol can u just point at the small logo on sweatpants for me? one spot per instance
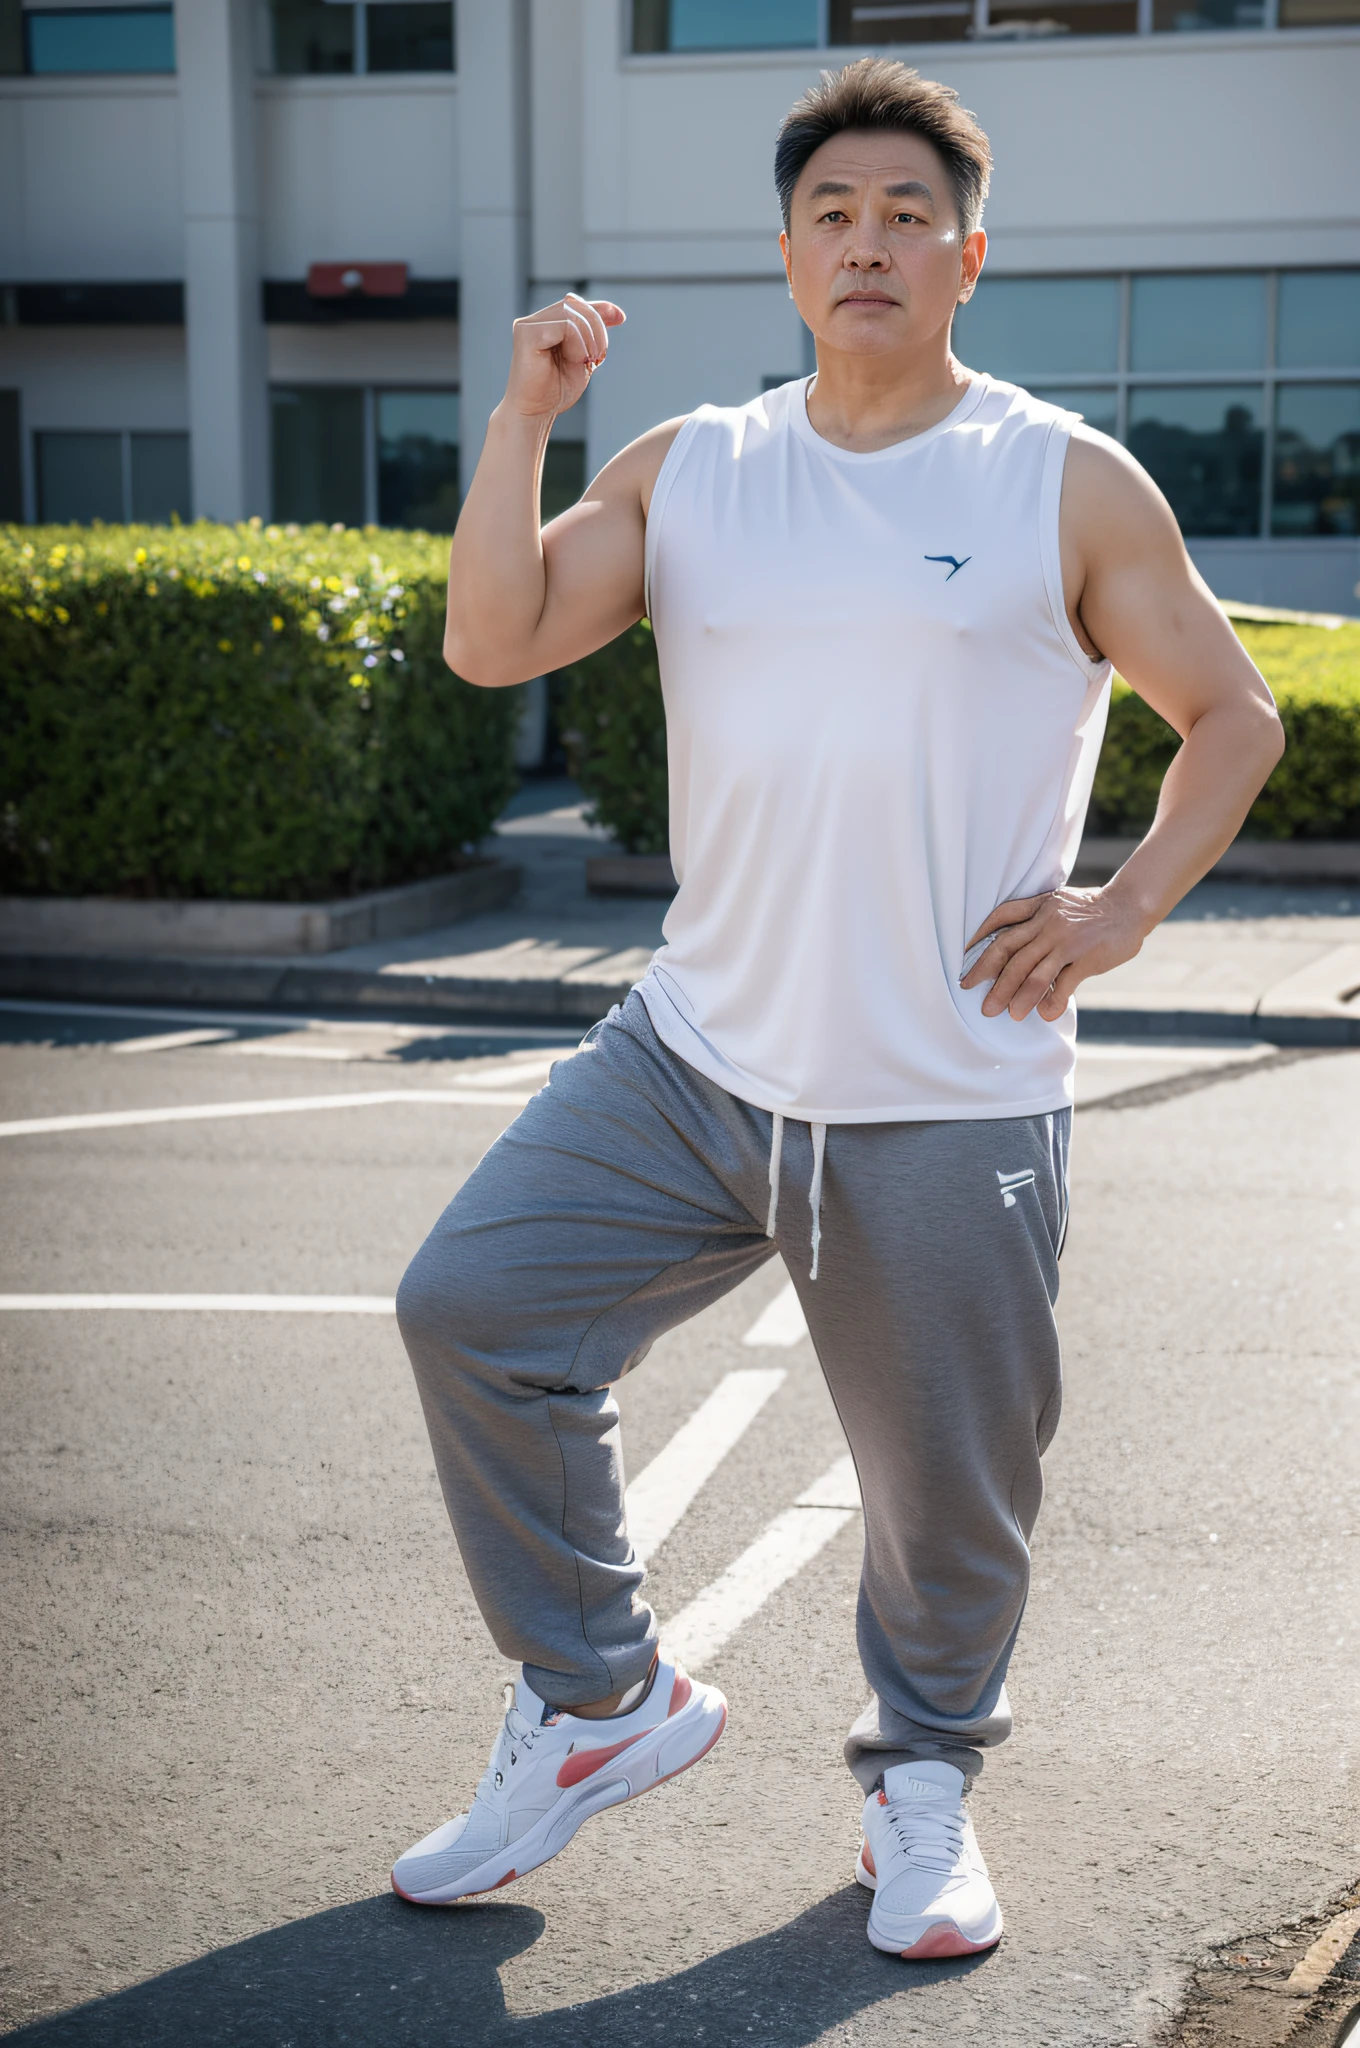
(1011, 1184)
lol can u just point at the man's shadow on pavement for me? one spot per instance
(380, 1974)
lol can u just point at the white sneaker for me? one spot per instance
(548, 1773)
(920, 1859)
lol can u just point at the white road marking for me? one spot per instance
(791, 1541)
(253, 1304)
(188, 1113)
(660, 1494)
(781, 1321)
(170, 1041)
(289, 1049)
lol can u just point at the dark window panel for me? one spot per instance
(1195, 16)
(160, 478)
(564, 477)
(1202, 444)
(1022, 327)
(312, 36)
(1319, 320)
(1015, 18)
(410, 35)
(11, 459)
(80, 477)
(100, 39)
(287, 303)
(651, 26)
(1318, 13)
(418, 459)
(1099, 407)
(11, 39)
(1317, 459)
(99, 305)
(317, 435)
(1184, 320)
(911, 21)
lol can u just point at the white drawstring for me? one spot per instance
(776, 1154)
(814, 1192)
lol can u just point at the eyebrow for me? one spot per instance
(909, 188)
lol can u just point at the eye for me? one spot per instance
(835, 215)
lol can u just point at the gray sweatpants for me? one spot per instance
(628, 1195)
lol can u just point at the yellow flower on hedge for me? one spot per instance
(63, 614)
(224, 647)
(140, 555)
(357, 682)
(334, 583)
(277, 623)
(243, 561)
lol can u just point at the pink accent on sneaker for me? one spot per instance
(586, 1761)
(943, 1939)
(680, 1693)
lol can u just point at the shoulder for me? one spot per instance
(1110, 498)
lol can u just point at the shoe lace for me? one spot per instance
(929, 1836)
(514, 1742)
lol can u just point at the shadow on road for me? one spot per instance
(382, 1973)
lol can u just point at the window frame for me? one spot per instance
(268, 69)
(979, 35)
(1266, 380)
(125, 437)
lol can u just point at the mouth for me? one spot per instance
(866, 299)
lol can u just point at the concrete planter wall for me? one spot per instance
(1256, 860)
(107, 925)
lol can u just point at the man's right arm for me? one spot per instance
(525, 599)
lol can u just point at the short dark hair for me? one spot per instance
(882, 93)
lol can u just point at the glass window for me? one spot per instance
(410, 35)
(312, 36)
(911, 21)
(160, 478)
(1015, 19)
(1098, 405)
(1020, 327)
(1318, 13)
(418, 459)
(1194, 16)
(1202, 443)
(80, 477)
(1189, 322)
(100, 39)
(564, 477)
(724, 24)
(1319, 320)
(1317, 459)
(317, 434)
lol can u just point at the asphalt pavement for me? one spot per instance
(246, 1669)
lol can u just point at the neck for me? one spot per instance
(867, 402)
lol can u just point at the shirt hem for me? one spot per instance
(898, 1113)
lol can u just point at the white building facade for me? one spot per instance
(261, 256)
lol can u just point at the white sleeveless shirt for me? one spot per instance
(880, 725)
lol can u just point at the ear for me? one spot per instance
(787, 254)
(974, 256)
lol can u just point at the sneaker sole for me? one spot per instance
(937, 1939)
(654, 1763)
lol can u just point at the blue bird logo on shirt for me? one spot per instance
(956, 564)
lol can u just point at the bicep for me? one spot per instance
(1142, 600)
(594, 554)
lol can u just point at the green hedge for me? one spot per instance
(617, 742)
(236, 711)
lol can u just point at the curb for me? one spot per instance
(39, 926)
(271, 984)
(92, 978)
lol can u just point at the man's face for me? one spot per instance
(876, 258)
